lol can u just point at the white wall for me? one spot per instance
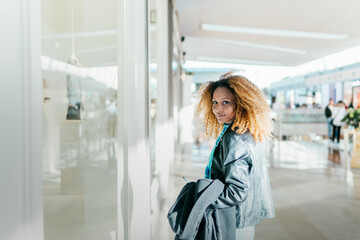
(20, 124)
(325, 91)
(187, 91)
(164, 121)
(339, 91)
(133, 106)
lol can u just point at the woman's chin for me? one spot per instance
(221, 121)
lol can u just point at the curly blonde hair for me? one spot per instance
(251, 111)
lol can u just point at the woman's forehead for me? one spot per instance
(222, 92)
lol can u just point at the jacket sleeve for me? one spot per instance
(238, 163)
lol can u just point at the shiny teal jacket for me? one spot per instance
(239, 162)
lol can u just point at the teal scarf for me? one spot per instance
(208, 167)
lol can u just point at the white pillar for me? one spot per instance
(339, 91)
(325, 90)
(164, 127)
(20, 121)
(133, 121)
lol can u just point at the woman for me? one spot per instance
(338, 114)
(235, 110)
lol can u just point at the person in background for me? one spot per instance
(339, 113)
(235, 111)
(328, 113)
(277, 105)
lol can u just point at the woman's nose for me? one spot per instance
(218, 108)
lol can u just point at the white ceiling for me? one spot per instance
(95, 30)
(340, 17)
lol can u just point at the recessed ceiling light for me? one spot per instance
(246, 44)
(272, 32)
(204, 65)
(241, 61)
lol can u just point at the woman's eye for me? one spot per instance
(214, 102)
(225, 102)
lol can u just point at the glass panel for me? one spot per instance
(153, 41)
(79, 69)
(153, 63)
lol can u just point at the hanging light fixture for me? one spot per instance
(73, 59)
(73, 80)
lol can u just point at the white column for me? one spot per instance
(325, 95)
(20, 121)
(164, 127)
(339, 91)
(133, 117)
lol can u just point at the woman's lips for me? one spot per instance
(220, 116)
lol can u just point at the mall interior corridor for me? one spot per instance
(100, 102)
(315, 197)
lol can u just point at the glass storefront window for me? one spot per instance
(79, 69)
(153, 82)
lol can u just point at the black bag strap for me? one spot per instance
(209, 196)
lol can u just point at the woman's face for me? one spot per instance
(223, 105)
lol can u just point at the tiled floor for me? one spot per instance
(315, 197)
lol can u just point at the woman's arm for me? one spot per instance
(238, 166)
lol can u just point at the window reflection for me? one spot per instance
(153, 84)
(79, 119)
(80, 123)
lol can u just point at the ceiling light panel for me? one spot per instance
(239, 61)
(262, 46)
(272, 32)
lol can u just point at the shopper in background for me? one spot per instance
(338, 114)
(328, 113)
